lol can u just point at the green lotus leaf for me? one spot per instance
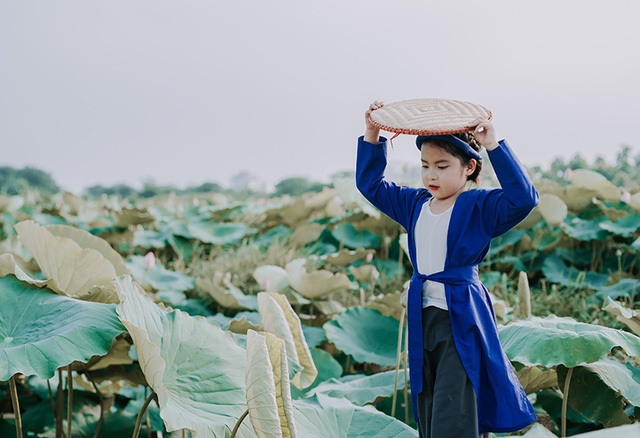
(601, 391)
(71, 270)
(133, 216)
(585, 230)
(314, 335)
(268, 387)
(624, 226)
(150, 239)
(352, 238)
(327, 367)
(278, 318)
(365, 334)
(196, 369)
(48, 219)
(183, 247)
(514, 261)
(627, 287)
(178, 300)
(321, 416)
(361, 389)
(158, 277)
(41, 331)
(550, 238)
(278, 233)
(550, 401)
(557, 272)
(509, 238)
(217, 233)
(576, 257)
(555, 341)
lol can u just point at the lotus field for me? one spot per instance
(281, 317)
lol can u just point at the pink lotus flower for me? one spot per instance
(149, 261)
(568, 174)
(625, 197)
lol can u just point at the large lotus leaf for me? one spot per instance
(536, 431)
(626, 316)
(534, 379)
(178, 300)
(510, 238)
(590, 179)
(41, 331)
(306, 233)
(555, 341)
(158, 277)
(345, 257)
(218, 233)
(87, 240)
(552, 208)
(585, 229)
(601, 390)
(314, 335)
(272, 278)
(624, 227)
(321, 416)
(196, 369)
(365, 334)
(225, 293)
(278, 318)
(183, 247)
(151, 239)
(556, 271)
(361, 389)
(316, 283)
(388, 305)
(133, 216)
(268, 387)
(352, 238)
(629, 431)
(627, 287)
(328, 368)
(71, 270)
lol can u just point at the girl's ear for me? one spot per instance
(471, 167)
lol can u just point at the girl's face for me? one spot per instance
(442, 173)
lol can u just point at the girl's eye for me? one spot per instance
(442, 168)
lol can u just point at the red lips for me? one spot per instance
(434, 187)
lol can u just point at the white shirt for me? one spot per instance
(431, 249)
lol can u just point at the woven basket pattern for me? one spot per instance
(429, 116)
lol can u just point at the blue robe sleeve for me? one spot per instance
(393, 200)
(506, 207)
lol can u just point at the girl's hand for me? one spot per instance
(372, 132)
(483, 130)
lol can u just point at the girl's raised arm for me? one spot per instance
(394, 201)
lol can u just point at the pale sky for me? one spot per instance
(102, 92)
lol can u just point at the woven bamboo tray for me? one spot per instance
(430, 116)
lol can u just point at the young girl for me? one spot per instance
(462, 383)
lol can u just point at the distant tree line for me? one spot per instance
(623, 172)
(15, 181)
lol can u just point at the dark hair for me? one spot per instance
(464, 158)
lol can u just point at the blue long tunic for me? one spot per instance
(478, 216)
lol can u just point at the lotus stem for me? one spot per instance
(59, 406)
(398, 354)
(565, 400)
(16, 405)
(146, 414)
(69, 400)
(406, 377)
(238, 423)
(99, 425)
(136, 431)
(53, 406)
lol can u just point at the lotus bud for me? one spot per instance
(618, 252)
(524, 295)
(149, 261)
(625, 197)
(568, 174)
(369, 257)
